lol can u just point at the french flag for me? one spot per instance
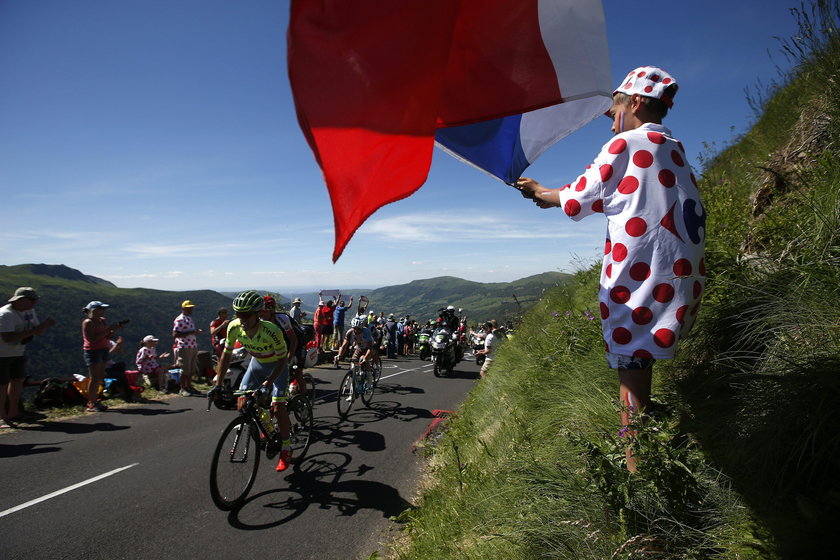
(495, 83)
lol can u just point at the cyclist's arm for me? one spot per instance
(222, 367)
(278, 368)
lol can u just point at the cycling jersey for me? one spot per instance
(266, 346)
(365, 340)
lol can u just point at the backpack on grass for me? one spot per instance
(54, 392)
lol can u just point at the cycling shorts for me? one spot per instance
(258, 372)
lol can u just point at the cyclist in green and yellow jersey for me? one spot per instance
(269, 361)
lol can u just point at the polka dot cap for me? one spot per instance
(649, 81)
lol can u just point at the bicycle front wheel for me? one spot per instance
(368, 385)
(235, 463)
(346, 395)
(300, 415)
(377, 372)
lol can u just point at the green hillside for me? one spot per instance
(64, 291)
(741, 459)
(502, 301)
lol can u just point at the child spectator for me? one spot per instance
(147, 362)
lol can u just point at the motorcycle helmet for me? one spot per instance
(450, 308)
(357, 322)
(247, 302)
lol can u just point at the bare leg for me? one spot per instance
(634, 393)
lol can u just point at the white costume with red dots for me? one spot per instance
(653, 272)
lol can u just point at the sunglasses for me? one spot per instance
(245, 314)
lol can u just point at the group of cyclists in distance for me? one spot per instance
(275, 341)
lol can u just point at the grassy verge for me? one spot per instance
(742, 457)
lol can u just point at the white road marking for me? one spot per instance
(64, 490)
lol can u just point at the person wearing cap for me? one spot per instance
(186, 346)
(653, 271)
(96, 346)
(147, 362)
(18, 325)
(391, 337)
(295, 312)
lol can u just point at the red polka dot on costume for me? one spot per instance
(682, 267)
(618, 146)
(581, 184)
(643, 159)
(598, 206)
(677, 158)
(698, 289)
(628, 85)
(667, 178)
(622, 336)
(663, 293)
(654, 77)
(635, 227)
(642, 315)
(694, 179)
(628, 185)
(680, 314)
(656, 137)
(666, 81)
(605, 311)
(564, 187)
(572, 207)
(642, 353)
(608, 271)
(640, 272)
(642, 74)
(607, 247)
(619, 252)
(606, 172)
(664, 338)
(648, 89)
(703, 267)
(620, 294)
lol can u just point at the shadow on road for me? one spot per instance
(318, 481)
(8, 451)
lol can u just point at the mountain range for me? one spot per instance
(63, 291)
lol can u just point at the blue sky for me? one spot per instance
(154, 144)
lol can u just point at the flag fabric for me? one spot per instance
(494, 82)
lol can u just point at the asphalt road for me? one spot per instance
(133, 482)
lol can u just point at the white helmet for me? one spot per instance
(450, 308)
(357, 322)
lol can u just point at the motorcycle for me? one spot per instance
(478, 344)
(445, 354)
(424, 347)
(233, 378)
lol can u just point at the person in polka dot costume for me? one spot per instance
(653, 271)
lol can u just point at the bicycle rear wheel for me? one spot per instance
(300, 415)
(369, 385)
(346, 395)
(235, 463)
(377, 372)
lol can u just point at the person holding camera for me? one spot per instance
(96, 345)
(18, 325)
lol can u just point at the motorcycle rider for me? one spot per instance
(269, 366)
(448, 319)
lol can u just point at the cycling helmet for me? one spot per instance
(270, 301)
(357, 322)
(248, 301)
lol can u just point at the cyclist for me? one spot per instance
(360, 339)
(269, 364)
(287, 324)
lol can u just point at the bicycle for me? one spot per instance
(356, 383)
(237, 454)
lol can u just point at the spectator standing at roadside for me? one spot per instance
(96, 346)
(401, 337)
(391, 336)
(186, 346)
(491, 343)
(295, 312)
(327, 313)
(653, 271)
(316, 323)
(338, 322)
(218, 331)
(18, 325)
(147, 362)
